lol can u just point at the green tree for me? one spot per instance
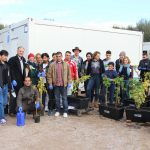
(143, 25)
(2, 26)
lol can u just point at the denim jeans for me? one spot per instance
(51, 103)
(125, 91)
(85, 87)
(3, 100)
(94, 83)
(111, 94)
(61, 91)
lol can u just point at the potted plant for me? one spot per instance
(116, 110)
(137, 113)
(146, 85)
(42, 89)
(78, 103)
(36, 117)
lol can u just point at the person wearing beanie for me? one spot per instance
(120, 60)
(31, 68)
(144, 65)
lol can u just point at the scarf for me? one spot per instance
(126, 66)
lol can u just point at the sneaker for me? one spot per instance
(57, 114)
(65, 115)
(3, 121)
(46, 108)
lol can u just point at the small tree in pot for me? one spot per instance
(77, 82)
(137, 93)
(112, 111)
(106, 83)
(78, 104)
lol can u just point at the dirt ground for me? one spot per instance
(88, 132)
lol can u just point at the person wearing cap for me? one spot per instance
(79, 60)
(95, 70)
(107, 60)
(32, 69)
(120, 60)
(144, 65)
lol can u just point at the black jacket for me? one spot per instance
(117, 64)
(15, 71)
(102, 69)
(144, 66)
(4, 75)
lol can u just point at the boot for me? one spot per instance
(96, 104)
(91, 105)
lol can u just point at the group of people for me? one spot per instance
(19, 79)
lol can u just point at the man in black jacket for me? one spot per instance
(17, 71)
(4, 83)
(144, 65)
(95, 70)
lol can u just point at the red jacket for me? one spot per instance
(73, 69)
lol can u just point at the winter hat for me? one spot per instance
(30, 55)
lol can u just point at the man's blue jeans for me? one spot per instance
(61, 91)
(94, 83)
(3, 100)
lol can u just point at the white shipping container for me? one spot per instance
(45, 36)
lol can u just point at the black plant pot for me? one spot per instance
(37, 119)
(111, 111)
(138, 115)
(130, 102)
(79, 102)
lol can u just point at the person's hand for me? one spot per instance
(39, 75)
(20, 108)
(50, 87)
(144, 68)
(37, 105)
(69, 85)
(43, 74)
(14, 83)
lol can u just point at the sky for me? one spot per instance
(92, 13)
